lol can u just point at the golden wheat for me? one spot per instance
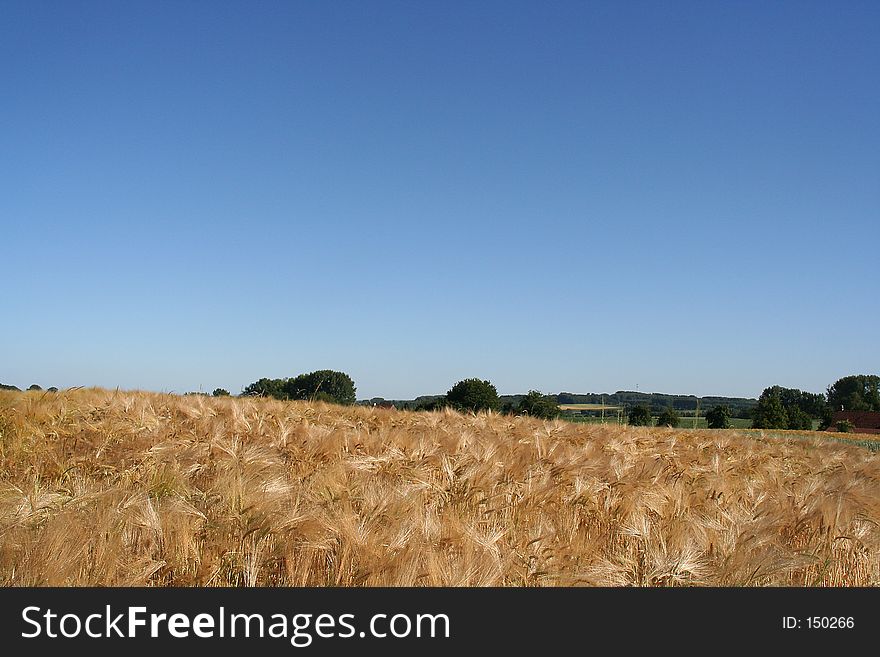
(129, 488)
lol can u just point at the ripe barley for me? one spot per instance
(116, 488)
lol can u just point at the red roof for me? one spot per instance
(862, 421)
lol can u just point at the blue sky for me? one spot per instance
(589, 196)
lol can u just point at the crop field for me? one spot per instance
(128, 488)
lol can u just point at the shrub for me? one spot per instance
(845, 426)
(220, 392)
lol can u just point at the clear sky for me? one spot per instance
(678, 197)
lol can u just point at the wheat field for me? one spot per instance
(140, 489)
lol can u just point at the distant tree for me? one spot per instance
(860, 392)
(473, 395)
(798, 419)
(798, 409)
(52, 389)
(826, 419)
(538, 405)
(34, 387)
(423, 400)
(266, 388)
(669, 418)
(812, 404)
(719, 417)
(220, 392)
(4, 386)
(770, 413)
(322, 385)
(433, 404)
(639, 416)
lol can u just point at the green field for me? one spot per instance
(868, 441)
(587, 407)
(686, 422)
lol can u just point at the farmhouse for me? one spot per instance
(862, 421)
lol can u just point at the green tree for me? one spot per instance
(473, 395)
(220, 392)
(826, 418)
(814, 405)
(770, 413)
(669, 418)
(322, 385)
(538, 405)
(800, 409)
(798, 419)
(34, 387)
(432, 404)
(639, 416)
(266, 388)
(719, 417)
(859, 392)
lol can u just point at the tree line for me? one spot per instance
(468, 395)
(788, 408)
(321, 385)
(34, 386)
(777, 408)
